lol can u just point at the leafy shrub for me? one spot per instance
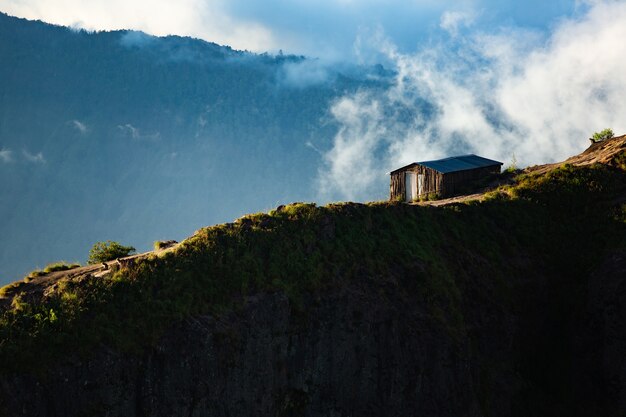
(602, 135)
(164, 244)
(107, 251)
(36, 273)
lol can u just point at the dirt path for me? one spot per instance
(454, 200)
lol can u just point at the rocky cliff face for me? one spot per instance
(366, 349)
(363, 350)
(607, 321)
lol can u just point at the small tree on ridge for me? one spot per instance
(107, 251)
(602, 135)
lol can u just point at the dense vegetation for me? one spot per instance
(557, 225)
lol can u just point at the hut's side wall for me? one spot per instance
(462, 181)
(396, 186)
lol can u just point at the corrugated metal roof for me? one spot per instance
(404, 168)
(454, 164)
(459, 163)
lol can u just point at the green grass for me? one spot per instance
(53, 267)
(60, 266)
(11, 288)
(562, 222)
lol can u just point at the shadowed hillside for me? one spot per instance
(504, 307)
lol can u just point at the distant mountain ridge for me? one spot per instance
(124, 136)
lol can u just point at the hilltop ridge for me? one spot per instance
(610, 152)
(503, 306)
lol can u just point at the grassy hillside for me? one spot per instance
(554, 226)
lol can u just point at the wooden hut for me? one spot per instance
(441, 178)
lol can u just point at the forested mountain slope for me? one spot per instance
(124, 136)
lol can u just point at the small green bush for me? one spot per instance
(513, 166)
(433, 196)
(53, 267)
(108, 251)
(164, 244)
(36, 273)
(602, 135)
(59, 266)
(10, 289)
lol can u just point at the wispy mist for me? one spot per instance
(453, 21)
(306, 73)
(6, 155)
(136, 39)
(79, 126)
(513, 92)
(135, 133)
(37, 158)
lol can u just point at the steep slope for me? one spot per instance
(506, 307)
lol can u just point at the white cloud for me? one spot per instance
(137, 39)
(135, 133)
(34, 158)
(130, 130)
(452, 21)
(306, 73)
(80, 126)
(495, 95)
(6, 155)
(351, 165)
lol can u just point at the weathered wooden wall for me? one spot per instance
(465, 181)
(396, 186)
(432, 182)
(444, 185)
